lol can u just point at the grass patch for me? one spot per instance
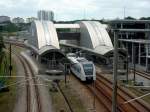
(75, 102)
(137, 91)
(58, 101)
(8, 99)
(4, 67)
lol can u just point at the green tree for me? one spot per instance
(145, 18)
(130, 18)
(1, 43)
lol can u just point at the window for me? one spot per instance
(71, 55)
(148, 50)
(88, 69)
(77, 68)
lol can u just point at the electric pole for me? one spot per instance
(10, 64)
(115, 67)
(134, 62)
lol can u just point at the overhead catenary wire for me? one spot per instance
(19, 82)
(136, 98)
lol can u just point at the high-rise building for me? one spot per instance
(45, 15)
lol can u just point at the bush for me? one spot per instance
(1, 44)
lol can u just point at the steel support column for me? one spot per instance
(139, 58)
(132, 53)
(10, 64)
(121, 25)
(146, 57)
(127, 35)
(115, 68)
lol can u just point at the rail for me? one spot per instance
(123, 96)
(31, 91)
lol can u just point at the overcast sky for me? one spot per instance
(77, 9)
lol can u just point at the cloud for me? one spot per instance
(76, 9)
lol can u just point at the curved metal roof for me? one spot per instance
(95, 36)
(46, 34)
(44, 37)
(46, 49)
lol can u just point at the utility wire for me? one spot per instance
(136, 98)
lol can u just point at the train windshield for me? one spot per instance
(71, 55)
(88, 69)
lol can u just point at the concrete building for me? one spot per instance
(45, 15)
(30, 20)
(4, 19)
(17, 20)
(134, 35)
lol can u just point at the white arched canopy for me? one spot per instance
(43, 34)
(95, 37)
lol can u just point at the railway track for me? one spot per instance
(101, 97)
(103, 91)
(142, 74)
(65, 97)
(33, 103)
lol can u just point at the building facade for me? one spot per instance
(45, 15)
(4, 19)
(17, 20)
(134, 35)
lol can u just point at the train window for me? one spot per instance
(88, 69)
(77, 68)
(88, 66)
(71, 55)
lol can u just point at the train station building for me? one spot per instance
(135, 37)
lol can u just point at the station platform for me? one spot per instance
(41, 83)
(41, 71)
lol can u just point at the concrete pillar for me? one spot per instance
(126, 45)
(127, 35)
(147, 34)
(116, 26)
(121, 35)
(132, 52)
(146, 57)
(139, 57)
(121, 25)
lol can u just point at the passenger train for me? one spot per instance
(82, 68)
